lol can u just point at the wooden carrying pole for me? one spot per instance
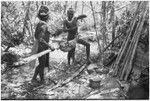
(33, 57)
(24, 61)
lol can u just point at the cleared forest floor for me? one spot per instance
(16, 84)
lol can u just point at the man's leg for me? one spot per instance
(80, 41)
(42, 61)
(71, 54)
(47, 60)
(40, 69)
(41, 75)
(35, 74)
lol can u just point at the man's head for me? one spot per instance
(43, 13)
(70, 13)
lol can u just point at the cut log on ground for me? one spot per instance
(71, 78)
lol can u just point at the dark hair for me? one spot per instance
(70, 10)
(43, 13)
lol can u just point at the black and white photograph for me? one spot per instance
(74, 50)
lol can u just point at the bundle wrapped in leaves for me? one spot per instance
(66, 46)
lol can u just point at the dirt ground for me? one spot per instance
(16, 84)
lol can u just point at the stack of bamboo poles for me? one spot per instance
(124, 45)
(124, 61)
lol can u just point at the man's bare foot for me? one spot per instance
(42, 82)
(34, 81)
(88, 61)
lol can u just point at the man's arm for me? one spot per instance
(43, 41)
(81, 16)
(40, 38)
(65, 27)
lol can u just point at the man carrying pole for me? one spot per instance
(42, 36)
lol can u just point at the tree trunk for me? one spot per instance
(26, 18)
(31, 28)
(82, 7)
(65, 6)
(27, 24)
(99, 46)
(75, 6)
(103, 25)
(113, 21)
(37, 5)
